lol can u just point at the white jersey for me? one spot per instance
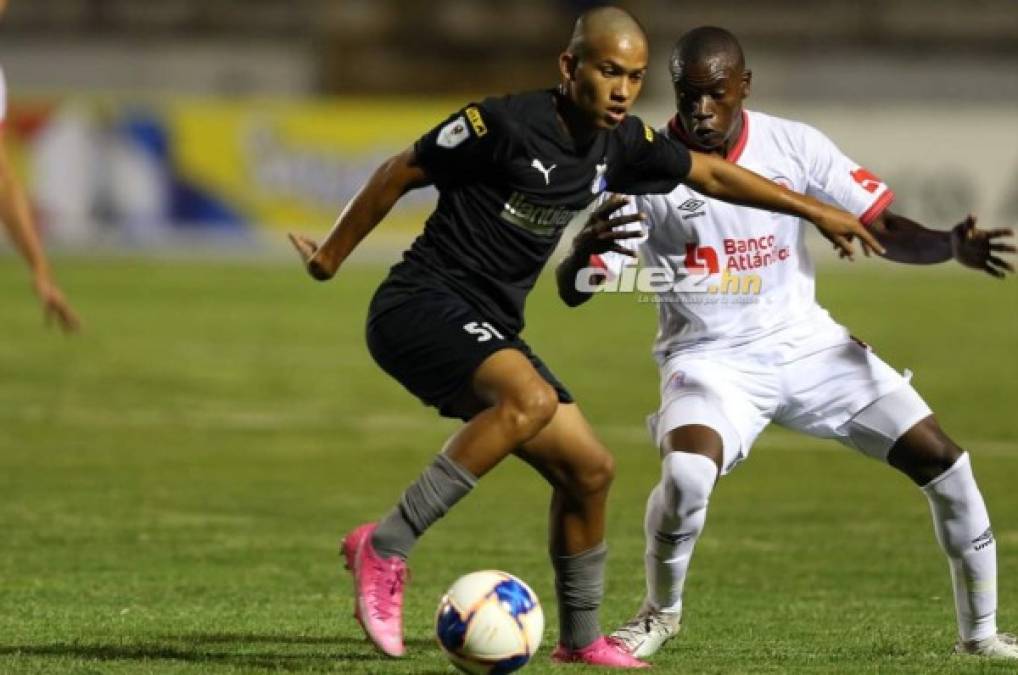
(738, 274)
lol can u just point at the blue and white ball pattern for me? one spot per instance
(489, 622)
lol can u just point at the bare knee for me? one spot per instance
(924, 452)
(585, 479)
(529, 410)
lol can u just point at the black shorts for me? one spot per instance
(433, 341)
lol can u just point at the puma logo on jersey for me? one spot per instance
(546, 172)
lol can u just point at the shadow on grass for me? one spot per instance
(341, 659)
(264, 638)
(255, 638)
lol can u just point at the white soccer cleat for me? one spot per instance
(999, 646)
(648, 631)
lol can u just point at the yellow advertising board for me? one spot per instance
(287, 164)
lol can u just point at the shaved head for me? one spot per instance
(703, 45)
(603, 67)
(604, 24)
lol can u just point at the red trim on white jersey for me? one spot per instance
(877, 207)
(740, 143)
(675, 127)
(598, 262)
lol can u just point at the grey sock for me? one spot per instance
(429, 498)
(579, 584)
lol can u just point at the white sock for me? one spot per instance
(676, 513)
(963, 530)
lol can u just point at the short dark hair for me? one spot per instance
(703, 43)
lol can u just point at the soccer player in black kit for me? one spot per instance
(511, 172)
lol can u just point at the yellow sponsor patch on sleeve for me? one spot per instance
(474, 117)
(648, 133)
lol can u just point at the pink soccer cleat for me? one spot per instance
(604, 652)
(378, 585)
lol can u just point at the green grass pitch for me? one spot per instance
(174, 482)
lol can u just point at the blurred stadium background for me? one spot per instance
(138, 123)
(172, 480)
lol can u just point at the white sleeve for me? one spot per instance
(3, 98)
(836, 179)
(613, 262)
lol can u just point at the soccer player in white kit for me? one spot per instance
(16, 218)
(742, 341)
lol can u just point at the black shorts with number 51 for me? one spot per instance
(432, 341)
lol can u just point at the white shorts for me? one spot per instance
(844, 392)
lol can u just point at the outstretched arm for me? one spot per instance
(906, 241)
(719, 178)
(16, 217)
(394, 178)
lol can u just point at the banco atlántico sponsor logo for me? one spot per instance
(702, 269)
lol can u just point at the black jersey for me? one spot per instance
(509, 180)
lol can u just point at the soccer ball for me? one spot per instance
(489, 622)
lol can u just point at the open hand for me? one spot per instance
(599, 234)
(54, 306)
(840, 227)
(975, 248)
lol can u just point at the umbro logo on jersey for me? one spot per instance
(693, 208)
(536, 164)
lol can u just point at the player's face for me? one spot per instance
(604, 83)
(3, 6)
(708, 97)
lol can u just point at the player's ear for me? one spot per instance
(747, 81)
(567, 64)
